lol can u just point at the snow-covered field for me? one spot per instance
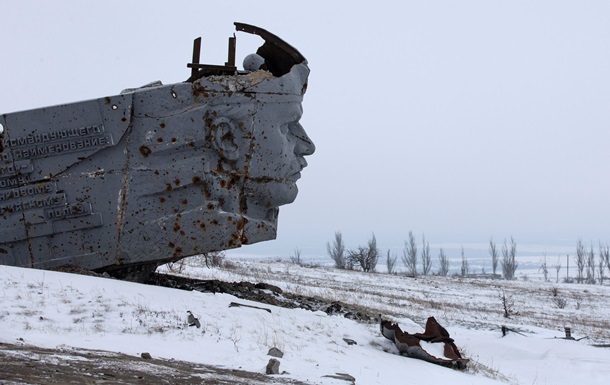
(52, 309)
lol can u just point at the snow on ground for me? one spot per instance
(52, 309)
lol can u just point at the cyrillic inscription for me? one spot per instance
(11, 169)
(53, 136)
(73, 210)
(37, 189)
(15, 181)
(34, 203)
(64, 147)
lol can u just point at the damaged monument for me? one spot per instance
(127, 182)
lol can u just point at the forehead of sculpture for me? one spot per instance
(289, 111)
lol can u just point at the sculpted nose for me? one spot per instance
(304, 145)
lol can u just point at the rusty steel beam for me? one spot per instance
(232, 45)
(196, 55)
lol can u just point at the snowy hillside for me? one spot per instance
(52, 309)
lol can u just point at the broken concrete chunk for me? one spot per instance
(238, 83)
(275, 352)
(273, 367)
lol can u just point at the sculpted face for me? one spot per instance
(157, 173)
(278, 155)
(263, 144)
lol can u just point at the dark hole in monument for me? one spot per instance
(145, 151)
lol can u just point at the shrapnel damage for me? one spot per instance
(127, 182)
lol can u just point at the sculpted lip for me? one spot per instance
(294, 177)
(297, 175)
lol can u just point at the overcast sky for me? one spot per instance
(460, 120)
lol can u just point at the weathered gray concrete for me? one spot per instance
(156, 173)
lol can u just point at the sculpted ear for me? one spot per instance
(223, 137)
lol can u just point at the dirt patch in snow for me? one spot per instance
(265, 293)
(23, 364)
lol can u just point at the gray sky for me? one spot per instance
(463, 120)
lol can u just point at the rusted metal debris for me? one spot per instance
(200, 70)
(410, 344)
(279, 56)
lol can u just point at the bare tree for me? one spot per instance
(509, 262)
(444, 263)
(601, 265)
(591, 266)
(337, 251)
(604, 254)
(349, 263)
(581, 255)
(214, 258)
(373, 255)
(558, 268)
(177, 266)
(493, 251)
(544, 268)
(366, 257)
(209, 260)
(507, 303)
(296, 257)
(357, 257)
(464, 266)
(409, 255)
(390, 262)
(426, 258)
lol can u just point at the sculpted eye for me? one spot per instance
(292, 126)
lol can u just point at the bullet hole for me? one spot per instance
(145, 151)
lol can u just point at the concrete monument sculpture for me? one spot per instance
(127, 182)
